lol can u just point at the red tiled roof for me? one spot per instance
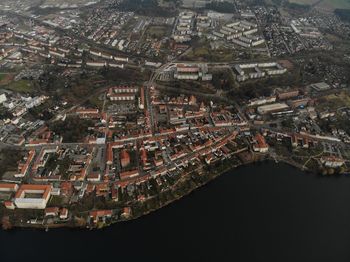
(46, 190)
(11, 186)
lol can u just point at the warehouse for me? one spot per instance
(272, 108)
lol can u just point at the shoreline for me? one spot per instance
(167, 203)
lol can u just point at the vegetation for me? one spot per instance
(42, 112)
(277, 2)
(288, 122)
(202, 50)
(8, 160)
(95, 102)
(343, 14)
(2, 76)
(264, 87)
(223, 7)
(72, 88)
(55, 201)
(4, 114)
(73, 129)
(120, 76)
(223, 80)
(250, 91)
(22, 86)
(158, 31)
(144, 7)
(341, 123)
(334, 101)
(298, 7)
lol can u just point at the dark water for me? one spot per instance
(263, 212)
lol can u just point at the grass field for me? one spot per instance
(333, 101)
(5, 78)
(2, 76)
(21, 86)
(158, 31)
(328, 5)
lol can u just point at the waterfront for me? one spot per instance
(262, 212)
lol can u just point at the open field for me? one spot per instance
(5, 78)
(21, 86)
(333, 101)
(327, 5)
(2, 76)
(158, 31)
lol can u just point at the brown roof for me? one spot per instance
(8, 186)
(46, 189)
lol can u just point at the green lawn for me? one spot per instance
(21, 86)
(334, 101)
(2, 76)
(158, 31)
(5, 77)
(96, 102)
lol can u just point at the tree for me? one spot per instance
(6, 223)
(73, 129)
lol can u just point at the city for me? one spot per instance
(112, 109)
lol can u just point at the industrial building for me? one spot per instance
(320, 86)
(192, 72)
(272, 108)
(287, 94)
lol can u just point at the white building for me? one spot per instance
(33, 196)
(2, 98)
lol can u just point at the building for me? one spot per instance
(124, 158)
(122, 93)
(321, 86)
(124, 89)
(142, 98)
(97, 215)
(262, 101)
(283, 95)
(2, 98)
(63, 213)
(25, 167)
(88, 113)
(129, 174)
(332, 161)
(192, 72)
(51, 211)
(126, 212)
(94, 177)
(33, 196)
(303, 102)
(260, 146)
(272, 108)
(8, 187)
(9, 204)
(256, 70)
(122, 97)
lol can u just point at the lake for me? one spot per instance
(261, 212)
